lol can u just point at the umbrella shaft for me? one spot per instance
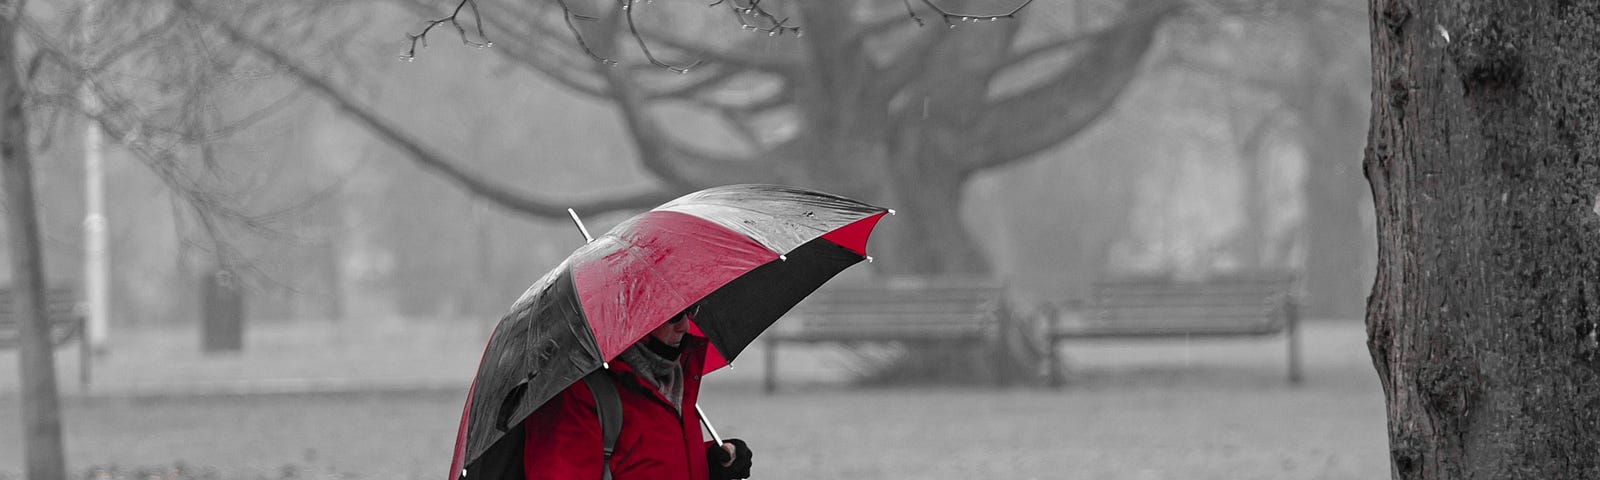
(707, 423)
(581, 228)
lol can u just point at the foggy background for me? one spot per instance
(369, 283)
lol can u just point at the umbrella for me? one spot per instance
(745, 254)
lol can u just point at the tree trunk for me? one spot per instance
(41, 412)
(928, 235)
(1484, 170)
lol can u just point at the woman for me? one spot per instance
(658, 382)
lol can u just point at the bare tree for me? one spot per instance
(41, 411)
(1482, 322)
(866, 102)
(869, 101)
(151, 78)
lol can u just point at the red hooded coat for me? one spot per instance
(563, 438)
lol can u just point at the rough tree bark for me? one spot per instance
(41, 412)
(1485, 170)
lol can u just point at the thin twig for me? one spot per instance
(627, 9)
(764, 21)
(566, 14)
(454, 20)
(950, 18)
(912, 13)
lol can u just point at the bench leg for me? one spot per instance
(770, 380)
(1293, 331)
(1056, 375)
(1002, 362)
(85, 356)
(85, 353)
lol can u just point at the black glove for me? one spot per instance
(716, 456)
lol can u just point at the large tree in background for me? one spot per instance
(867, 102)
(41, 411)
(1484, 319)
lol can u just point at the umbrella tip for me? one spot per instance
(605, 365)
(783, 258)
(891, 211)
(869, 258)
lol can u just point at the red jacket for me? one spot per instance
(656, 443)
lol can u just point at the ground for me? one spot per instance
(1134, 410)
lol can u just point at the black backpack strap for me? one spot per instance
(609, 405)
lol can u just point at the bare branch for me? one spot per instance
(767, 63)
(125, 48)
(556, 62)
(567, 15)
(678, 165)
(716, 77)
(1042, 116)
(950, 18)
(422, 155)
(453, 20)
(912, 13)
(763, 20)
(627, 10)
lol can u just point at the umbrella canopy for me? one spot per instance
(745, 254)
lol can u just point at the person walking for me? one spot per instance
(657, 381)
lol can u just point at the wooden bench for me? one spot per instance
(1232, 305)
(923, 310)
(66, 324)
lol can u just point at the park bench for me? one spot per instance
(1240, 304)
(925, 310)
(66, 324)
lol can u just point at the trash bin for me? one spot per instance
(221, 312)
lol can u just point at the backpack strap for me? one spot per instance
(609, 406)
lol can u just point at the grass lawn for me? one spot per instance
(1188, 425)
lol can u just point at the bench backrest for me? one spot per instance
(1247, 301)
(61, 304)
(926, 304)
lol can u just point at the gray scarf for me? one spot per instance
(666, 375)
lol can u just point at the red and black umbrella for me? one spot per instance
(746, 254)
